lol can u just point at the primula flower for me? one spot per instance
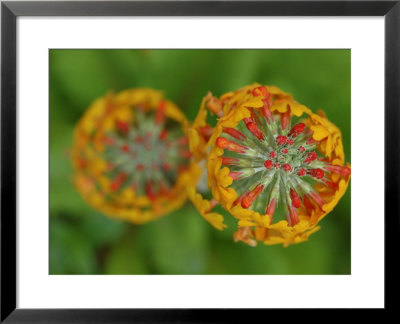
(267, 153)
(131, 155)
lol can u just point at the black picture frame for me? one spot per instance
(11, 10)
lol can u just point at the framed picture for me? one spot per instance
(175, 160)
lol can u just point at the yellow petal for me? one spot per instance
(320, 132)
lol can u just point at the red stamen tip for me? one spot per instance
(285, 151)
(271, 208)
(122, 126)
(310, 157)
(253, 128)
(229, 161)
(266, 111)
(260, 91)
(301, 172)
(281, 140)
(277, 165)
(234, 133)
(269, 164)
(311, 141)
(285, 117)
(297, 129)
(248, 200)
(301, 149)
(316, 173)
(342, 170)
(223, 143)
(331, 184)
(290, 141)
(346, 171)
(287, 167)
(293, 217)
(238, 200)
(272, 154)
(296, 201)
(125, 148)
(307, 203)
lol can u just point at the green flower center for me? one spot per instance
(272, 162)
(144, 155)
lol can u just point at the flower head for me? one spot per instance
(269, 153)
(131, 155)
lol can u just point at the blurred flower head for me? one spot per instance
(131, 155)
(272, 163)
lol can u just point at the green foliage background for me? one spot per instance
(83, 241)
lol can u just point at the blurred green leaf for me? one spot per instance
(177, 243)
(126, 257)
(102, 230)
(70, 251)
